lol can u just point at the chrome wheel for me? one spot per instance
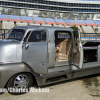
(21, 81)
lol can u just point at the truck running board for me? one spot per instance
(56, 78)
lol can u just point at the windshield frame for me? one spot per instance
(15, 38)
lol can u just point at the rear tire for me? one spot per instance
(20, 83)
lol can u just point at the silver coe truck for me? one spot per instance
(46, 54)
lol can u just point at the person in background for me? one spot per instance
(57, 48)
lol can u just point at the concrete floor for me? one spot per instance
(87, 88)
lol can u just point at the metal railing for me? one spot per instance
(85, 37)
(3, 33)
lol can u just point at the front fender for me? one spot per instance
(8, 70)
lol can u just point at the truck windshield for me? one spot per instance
(16, 34)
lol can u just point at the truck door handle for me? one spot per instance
(53, 38)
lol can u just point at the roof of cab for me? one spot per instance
(42, 27)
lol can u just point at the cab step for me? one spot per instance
(56, 78)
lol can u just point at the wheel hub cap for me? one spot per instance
(21, 81)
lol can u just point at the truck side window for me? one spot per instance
(37, 36)
(27, 36)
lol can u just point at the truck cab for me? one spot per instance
(46, 54)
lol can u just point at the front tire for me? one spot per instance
(20, 83)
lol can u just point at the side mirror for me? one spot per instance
(26, 46)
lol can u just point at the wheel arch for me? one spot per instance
(34, 79)
(7, 71)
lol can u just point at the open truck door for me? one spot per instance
(77, 49)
